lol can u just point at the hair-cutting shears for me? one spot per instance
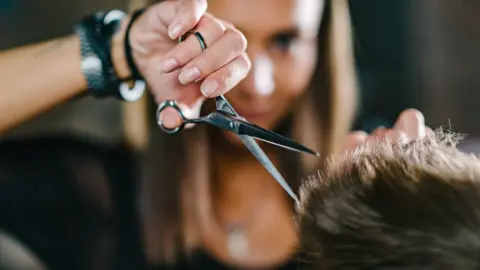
(225, 117)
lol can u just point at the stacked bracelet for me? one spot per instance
(128, 49)
(95, 33)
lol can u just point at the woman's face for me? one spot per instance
(282, 46)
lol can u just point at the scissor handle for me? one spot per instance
(161, 108)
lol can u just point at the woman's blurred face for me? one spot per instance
(282, 46)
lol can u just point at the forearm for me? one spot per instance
(35, 78)
(38, 77)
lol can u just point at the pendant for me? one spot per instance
(237, 243)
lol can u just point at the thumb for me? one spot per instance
(172, 119)
(187, 16)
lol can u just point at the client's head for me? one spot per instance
(386, 206)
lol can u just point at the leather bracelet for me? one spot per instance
(135, 74)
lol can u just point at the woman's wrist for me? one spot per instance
(119, 60)
(105, 62)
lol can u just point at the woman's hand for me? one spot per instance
(182, 72)
(410, 126)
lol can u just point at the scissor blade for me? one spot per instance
(246, 128)
(272, 137)
(265, 161)
(223, 105)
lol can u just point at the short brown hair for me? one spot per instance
(391, 206)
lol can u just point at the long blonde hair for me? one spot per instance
(175, 190)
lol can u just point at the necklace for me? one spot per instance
(237, 243)
(236, 234)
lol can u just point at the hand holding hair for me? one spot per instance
(410, 126)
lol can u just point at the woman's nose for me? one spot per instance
(260, 81)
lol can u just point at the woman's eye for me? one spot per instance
(283, 42)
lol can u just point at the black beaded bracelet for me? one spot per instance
(128, 49)
(96, 32)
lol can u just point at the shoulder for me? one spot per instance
(62, 186)
(62, 169)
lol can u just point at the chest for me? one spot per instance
(253, 216)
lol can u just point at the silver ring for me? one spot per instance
(201, 40)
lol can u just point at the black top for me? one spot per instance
(73, 205)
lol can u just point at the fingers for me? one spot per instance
(171, 118)
(167, 87)
(210, 29)
(222, 52)
(188, 99)
(409, 127)
(188, 14)
(227, 45)
(223, 65)
(354, 139)
(224, 79)
(398, 136)
(412, 123)
(221, 81)
(380, 132)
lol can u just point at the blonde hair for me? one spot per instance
(175, 191)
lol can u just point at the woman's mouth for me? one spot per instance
(253, 115)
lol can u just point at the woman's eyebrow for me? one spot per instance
(291, 32)
(294, 30)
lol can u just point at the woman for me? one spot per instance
(302, 84)
(204, 201)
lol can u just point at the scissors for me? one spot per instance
(226, 118)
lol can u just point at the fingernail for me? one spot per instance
(412, 123)
(209, 88)
(175, 31)
(188, 75)
(167, 65)
(422, 132)
(421, 129)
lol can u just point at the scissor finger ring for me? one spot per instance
(161, 108)
(173, 104)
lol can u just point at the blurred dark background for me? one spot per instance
(423, 54)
